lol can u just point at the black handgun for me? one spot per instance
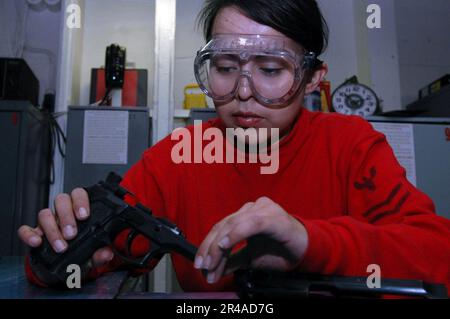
(261, 284)
(110, 215)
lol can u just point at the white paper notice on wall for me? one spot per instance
(401, 138)
(105, 137)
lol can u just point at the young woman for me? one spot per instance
(336, 202)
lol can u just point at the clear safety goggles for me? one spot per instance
(273, 71)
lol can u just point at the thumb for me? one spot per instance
(30, 236)
(102, 256)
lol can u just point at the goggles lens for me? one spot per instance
(261, 62)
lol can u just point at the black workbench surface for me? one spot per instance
(14, 285)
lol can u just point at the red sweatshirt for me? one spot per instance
(336, 175)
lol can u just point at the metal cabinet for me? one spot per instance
(24, 170)
(82, 169)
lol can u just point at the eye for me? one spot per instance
(271, 71)
(225, 69)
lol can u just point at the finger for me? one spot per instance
(48, 224)
(64, 210)
(234, 230)
(262, 218)
(80, 202)
(30, 236)
(38, 231)
(102, 256)
(203, 258)
(214, 275)
(263, 201)
(217, 247)
(245, 228)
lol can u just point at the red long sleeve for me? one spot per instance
(389, 222)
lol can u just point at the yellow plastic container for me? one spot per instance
(193, 97)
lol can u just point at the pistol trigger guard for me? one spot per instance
(130, 238)
(138, 262)
(124, 258)
(154, 252)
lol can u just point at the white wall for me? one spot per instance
(130, 23)
(384, 57)
(412, 47)
(41, 32)
(370, 54)
(420, 54)
(424, 43)
(8, 18)
(188, 40)
(342, 52)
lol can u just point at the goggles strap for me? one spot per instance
(310, 61)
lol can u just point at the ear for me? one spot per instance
(317, 77)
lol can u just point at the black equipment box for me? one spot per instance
(434, 86)
(17, 81)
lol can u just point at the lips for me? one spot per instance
(247, 119)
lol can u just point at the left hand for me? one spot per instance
(275, 240)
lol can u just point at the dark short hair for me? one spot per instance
(300, 20)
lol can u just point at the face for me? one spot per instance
(244, 111)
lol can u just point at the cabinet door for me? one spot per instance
(10, 123)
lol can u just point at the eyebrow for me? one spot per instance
(233, 57)
(264, 58)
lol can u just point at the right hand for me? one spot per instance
(62, 226)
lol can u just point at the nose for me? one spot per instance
(244, 89)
